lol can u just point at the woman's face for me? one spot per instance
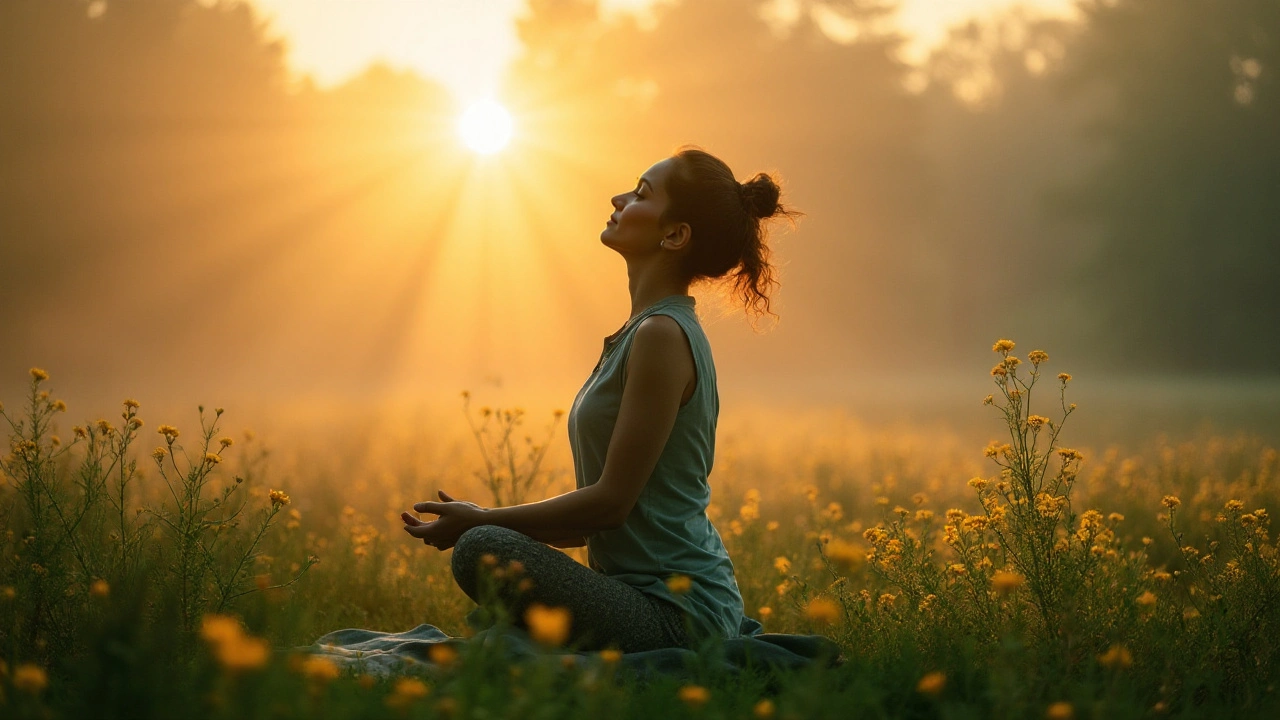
(635, 225)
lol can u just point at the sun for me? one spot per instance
(486, 127)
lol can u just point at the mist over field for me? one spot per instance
(182, 219)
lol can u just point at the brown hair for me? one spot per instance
(726, 218)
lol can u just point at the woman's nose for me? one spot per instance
(618, 200)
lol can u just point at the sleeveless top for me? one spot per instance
(667, 531)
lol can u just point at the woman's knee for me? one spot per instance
(473, 545)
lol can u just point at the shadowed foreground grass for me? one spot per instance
(1026, 579)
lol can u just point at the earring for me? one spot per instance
(662, 243)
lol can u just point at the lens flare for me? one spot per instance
(486, 127)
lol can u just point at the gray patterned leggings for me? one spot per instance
(605, 612)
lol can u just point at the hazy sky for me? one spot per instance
(466, 43)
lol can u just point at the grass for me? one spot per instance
(1026, 579)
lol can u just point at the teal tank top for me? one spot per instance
(667, 532)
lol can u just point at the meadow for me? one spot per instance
(165, 567)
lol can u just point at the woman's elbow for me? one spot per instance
(613, 516)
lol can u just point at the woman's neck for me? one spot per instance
(650, 283)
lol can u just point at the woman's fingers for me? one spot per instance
(410, 519)
(434, 508)
(444, 496)
(418, 530)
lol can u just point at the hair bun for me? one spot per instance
(760, 196)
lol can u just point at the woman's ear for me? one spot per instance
(677, 236)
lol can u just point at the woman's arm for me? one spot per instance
(659, 368)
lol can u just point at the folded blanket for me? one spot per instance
(384, 654)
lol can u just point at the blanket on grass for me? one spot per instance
(384, 654)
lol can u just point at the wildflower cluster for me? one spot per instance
(511, 475)
(82, 526)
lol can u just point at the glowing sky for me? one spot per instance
(466, 43)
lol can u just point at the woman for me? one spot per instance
(642, 432)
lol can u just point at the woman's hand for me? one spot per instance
(455, 518)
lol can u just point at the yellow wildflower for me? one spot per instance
(320, 669)
(1002, 346)
(443, 655)
(1116, 657)
(957, 569)
(1060, 711)
(771, 525)
(932, 683)
(131, 404)
(978, 483)
(988, 400)
(234, 649)
(1064, 377)
(406, 691)
(99, 588)
(995, 447)
(845, 554)
(1038, 356)
(823, 610)
(278, 498)
(611, 656)
(159, 454)
(548, 625)
(694, 696)
(226, 442)
(765, 612)
(169, 432)
(39, 375)
(679, 584)
(764, 709)
(1171, 501)
(1146, 599)
(1234, 505)
(212, 458)
(59, 406)
(1036, 421)
(999, 371)
(28, 678)
(1004, 581)
(1012, 362)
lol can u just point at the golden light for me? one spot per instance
(485, 127)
